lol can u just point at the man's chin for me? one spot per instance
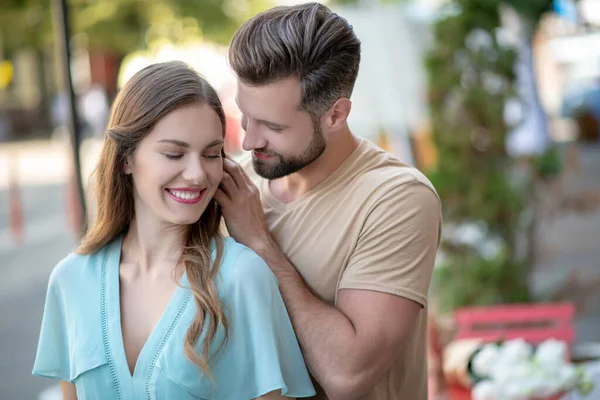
(264, 170)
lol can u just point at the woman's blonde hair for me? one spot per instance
(148, 96)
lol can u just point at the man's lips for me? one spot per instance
(261, 155)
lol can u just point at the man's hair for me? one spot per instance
(308, 42)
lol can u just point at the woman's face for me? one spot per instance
(177, 167)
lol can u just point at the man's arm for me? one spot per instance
(347, 348)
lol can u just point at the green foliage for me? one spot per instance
(122, 26)
(530, 9)
(24, 23)
(469, 279)
(471, 77)
(549, 164)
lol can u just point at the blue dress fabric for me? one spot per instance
(81, 338)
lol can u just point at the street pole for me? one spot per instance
(63, 35)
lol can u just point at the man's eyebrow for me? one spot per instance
(264, 122)
(273, 124)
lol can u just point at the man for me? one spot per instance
(350, 232)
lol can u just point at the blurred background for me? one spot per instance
(497, 101)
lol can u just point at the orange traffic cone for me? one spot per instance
(16, 208)
(72, 206)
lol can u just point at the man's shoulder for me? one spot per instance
(381, 172)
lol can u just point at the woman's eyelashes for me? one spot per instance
(171, 156)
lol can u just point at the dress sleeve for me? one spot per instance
(52, 357)
(262, 353)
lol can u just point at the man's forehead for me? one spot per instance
(278, 97)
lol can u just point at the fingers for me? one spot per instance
(237, 185)
(222, 199)
(228, 185)
(236, 171)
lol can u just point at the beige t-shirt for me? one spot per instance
(373, 224)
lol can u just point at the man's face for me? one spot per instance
(283, 140)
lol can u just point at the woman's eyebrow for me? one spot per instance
(175, 142)
(181, 143)
(215, 143)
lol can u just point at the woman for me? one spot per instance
(154, 303)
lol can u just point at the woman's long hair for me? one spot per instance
(147, 97)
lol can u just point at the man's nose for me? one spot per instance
(253, 139)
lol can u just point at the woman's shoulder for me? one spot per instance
(77, 270)
(241, 265)
(69, 269)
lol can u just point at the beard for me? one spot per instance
(290, 165)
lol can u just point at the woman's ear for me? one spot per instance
(127, 168)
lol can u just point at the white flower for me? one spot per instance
(542, 386)
(517, 374)
(513, 361)
(515, 390)
(485, 359)
(516, 350)
(551, 354)
(485, 390)
(568, 377)
(501, 373)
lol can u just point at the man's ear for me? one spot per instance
(337, 115)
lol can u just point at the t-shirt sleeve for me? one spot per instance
(397, 245)
(262, 351)
(52, 357)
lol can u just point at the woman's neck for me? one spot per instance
(152, 245)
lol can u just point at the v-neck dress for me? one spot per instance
(81, 339)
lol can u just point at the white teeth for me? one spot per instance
(184, 195)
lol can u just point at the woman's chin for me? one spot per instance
(184, 220)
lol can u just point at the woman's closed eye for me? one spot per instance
(173, 156)
(176, 156)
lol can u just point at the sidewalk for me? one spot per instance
(42, 162)
(569, 245)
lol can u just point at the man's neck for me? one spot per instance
(291, 187)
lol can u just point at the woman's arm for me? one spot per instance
(274, 395)
(68, 390)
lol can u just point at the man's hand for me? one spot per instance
(242, 209)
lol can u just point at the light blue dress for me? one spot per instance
(81, 339)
